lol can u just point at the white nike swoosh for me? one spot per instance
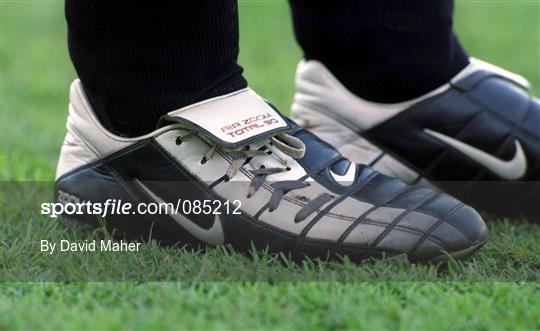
(348, 178)
(510, 170)
(213, 236)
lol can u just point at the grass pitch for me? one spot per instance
(173, 288)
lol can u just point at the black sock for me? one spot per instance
(138, 61)
(383, 51)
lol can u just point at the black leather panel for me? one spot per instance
(484, 111)
(531, 121)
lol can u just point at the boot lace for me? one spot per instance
(285, 143)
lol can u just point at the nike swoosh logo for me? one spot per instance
(213, 236)
(348, 178)
(511, 170)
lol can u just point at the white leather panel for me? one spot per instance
(238, 190)
(73, 154)
(351, 208)
(328, 228)
(317, 89)
(364, 234)
(283, 217)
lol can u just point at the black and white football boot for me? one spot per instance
(291, 191)
(477, 137)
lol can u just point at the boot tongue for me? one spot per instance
(232, 120)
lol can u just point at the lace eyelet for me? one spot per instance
(288, 168)
(179, 140)
(270, 210)
(226, 179)
(247, 148)
(204, 160)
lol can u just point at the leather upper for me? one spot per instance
(487, 112)
(359, 212)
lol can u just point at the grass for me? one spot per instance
(330, 306)
(165, 287)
